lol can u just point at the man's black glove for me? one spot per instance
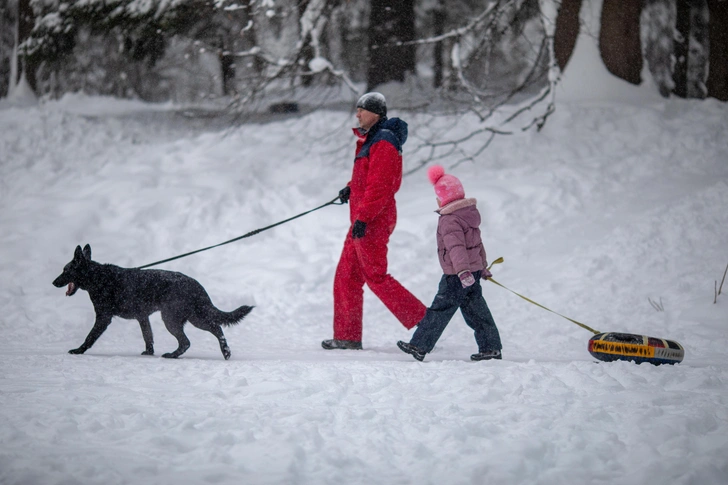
(344, 194)
(359, 229)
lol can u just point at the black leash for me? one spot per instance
(251, 233)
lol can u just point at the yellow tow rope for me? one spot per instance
(499, 261)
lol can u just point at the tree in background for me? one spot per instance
(115, 39)
(623, 28)
(8, 14)
(717, 82)
(27, 64)
(691, 46)
(658, 33)
(391, 23)
(566, 31)
(685, 43)
(482, 56)
(501, 69)
(619, 39)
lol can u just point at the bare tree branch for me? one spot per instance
(497, 112)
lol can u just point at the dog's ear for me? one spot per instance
(78, 253)
(87, 252)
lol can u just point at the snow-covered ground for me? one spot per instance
(611, 205)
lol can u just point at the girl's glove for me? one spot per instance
(466, 278)
(486, 274)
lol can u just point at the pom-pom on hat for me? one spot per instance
(374, 102)
(447, 187)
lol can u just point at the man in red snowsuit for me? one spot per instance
(376, 177)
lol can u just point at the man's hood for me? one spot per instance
(396, 126)
(392, 130)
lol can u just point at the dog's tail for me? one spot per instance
(229, 318)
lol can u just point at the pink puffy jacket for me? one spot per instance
(459, 245)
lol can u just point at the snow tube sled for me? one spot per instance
(636, 348)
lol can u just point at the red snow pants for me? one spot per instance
(364, 260)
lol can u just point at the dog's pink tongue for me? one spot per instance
(70, 289)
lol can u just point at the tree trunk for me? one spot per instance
(438, 25)
(619, 39)
(698, 49)
(390, 21)
(717, 82)
(307, 51)
(567, 31)
(682, 47)
(248, 39)
(8, 29)
(26, 21)
(227, 66)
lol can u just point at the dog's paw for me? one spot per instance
(79, 350)
(148, 352)
(169, 355)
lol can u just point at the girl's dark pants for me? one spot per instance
(450, 296)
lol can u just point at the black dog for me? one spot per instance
(136, 294)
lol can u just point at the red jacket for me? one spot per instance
(377, 173)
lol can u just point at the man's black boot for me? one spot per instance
(341, 344)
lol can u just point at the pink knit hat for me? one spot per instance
(447, 187)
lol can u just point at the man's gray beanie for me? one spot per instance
(373, 102)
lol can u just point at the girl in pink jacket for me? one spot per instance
(462, 257)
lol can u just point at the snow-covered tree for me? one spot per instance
(8, 16)
(481, 54)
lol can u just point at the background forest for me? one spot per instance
(477, 54)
